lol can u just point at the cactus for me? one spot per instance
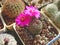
(52, 9)
(57, 2)
(13, 8)
(57, 19)
(35, 27)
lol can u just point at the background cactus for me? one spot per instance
(57, 19)
(12, 8)
(52, 9)
(57, 2)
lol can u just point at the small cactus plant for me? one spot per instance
(13, 8)
(35, 27)
(29, 20)
(57, 2)
(57, 19)
(52, 9)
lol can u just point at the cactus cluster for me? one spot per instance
(13, 8)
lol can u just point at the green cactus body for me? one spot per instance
(57, 19)
(35, 27)
(52, 9)
(13, 8)
(57, 2)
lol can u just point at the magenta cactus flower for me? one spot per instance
(32, 11)
(23, 20)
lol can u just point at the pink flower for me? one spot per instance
(23, 20)
(32, 11)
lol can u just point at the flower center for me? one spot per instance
(32, 11)
(23, 19)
